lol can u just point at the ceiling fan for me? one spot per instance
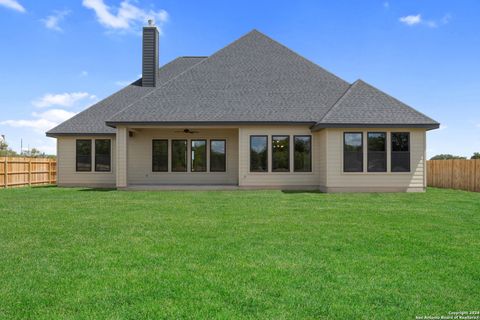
(187, 131)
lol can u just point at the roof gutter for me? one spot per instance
(72, 134)
(428, 126)
(114, 124)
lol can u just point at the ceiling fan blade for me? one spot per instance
(187, 131)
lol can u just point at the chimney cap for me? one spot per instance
(151, 23)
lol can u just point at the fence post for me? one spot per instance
(474, 175)
(5, 172)
(49, 171)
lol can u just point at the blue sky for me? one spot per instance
(59, 57)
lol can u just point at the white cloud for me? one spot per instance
(62, 99)
(12, 4)
(83, 73)
(42, 121)
(386, 5)
(52, 22)
(411, 19)
(54, 115)
(126, 17)
(49, 146)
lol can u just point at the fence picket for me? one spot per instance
(23, 171)
(454, 174)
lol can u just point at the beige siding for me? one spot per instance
(140, 157)
(337, 180)
(66, 165)
(135, 167)
(277, 179)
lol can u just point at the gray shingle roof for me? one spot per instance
(254, 79)
(364, 104)
(92, 120)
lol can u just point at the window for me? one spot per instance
(302, 155)
(102, 155)
(218, 159)
(179, 155)
(280, 153)
(377, 152)
(258, 154)
(400, 152)
(84, 155)
(199, 156)
(352, 152)
(159, 155)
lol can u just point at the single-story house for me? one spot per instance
(254, 114)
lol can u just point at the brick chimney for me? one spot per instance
(150, 55)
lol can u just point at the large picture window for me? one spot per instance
(400, 161)
(160, 155)
(302, 154)
(377, 152)
(353, 152)
(218, 159)
(258, 154)
(179, 155)
(84, 155)
(280, 153)
(198, 156)
(102, 155)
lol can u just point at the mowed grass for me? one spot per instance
(93, 254)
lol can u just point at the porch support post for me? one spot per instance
(122, 145)
(242, 165)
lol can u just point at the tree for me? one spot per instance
(3, 145)
(5, 150)
(476, 155)
(446, 157)
(34, 153)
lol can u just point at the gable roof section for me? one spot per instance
(92, 120)
(254, 79)
(363, 104)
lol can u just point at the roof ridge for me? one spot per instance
(339, 99)
(178, 75)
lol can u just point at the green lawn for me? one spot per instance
(88, 254)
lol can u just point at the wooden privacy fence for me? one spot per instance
(20, 171)
(454, 174)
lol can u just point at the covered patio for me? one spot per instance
(177, 157)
